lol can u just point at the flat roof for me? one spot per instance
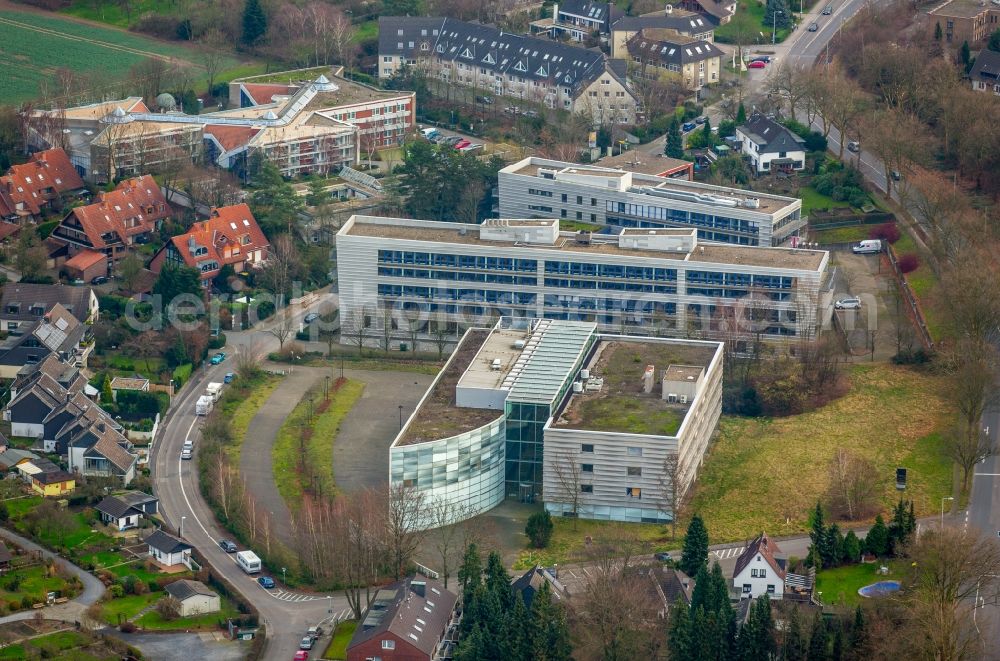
(548, 358)
(415, 230)
(498, 346)
(438, 417)
(635, 160)
(530, 167)
(682, 372)
(620, 404)
(961, 9)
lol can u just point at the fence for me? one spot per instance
(911, 300)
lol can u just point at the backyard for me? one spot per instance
(893, 416)
(60, 645)
(839, 586)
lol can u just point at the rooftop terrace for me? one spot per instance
(621, 405)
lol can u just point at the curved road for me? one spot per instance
(286, 614)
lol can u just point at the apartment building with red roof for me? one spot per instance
(230, 236)
(33, 189)
(116, 221)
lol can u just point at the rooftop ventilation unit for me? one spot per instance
(685, 196)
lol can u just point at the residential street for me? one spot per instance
(984, 514)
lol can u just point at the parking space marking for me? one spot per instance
(723, 554)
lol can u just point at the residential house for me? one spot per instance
(194, 597)
(771, 147)
(718, 12)
(168, 551)
(965, 20)
(531, 581)
(760, 570)
(123, 511)
(57, 333)
(11, 458)
(117, 221)
(578, 20)
(24, 304)
(101, 451)
(128, 383)
(517, 67)
(86, 265)
(27, 470)
(985, 73)
(36, 188)
(407, 620)
(664, 586)
(230, 236)
(685, 23)
(53, 483)
(661, 54)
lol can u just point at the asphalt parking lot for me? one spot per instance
(186, 646)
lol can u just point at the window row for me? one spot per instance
(564, 283)
(687, 217)
(461, 276)
(612, 271)
(456, 261)
(443, 293)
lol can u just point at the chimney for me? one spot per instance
(647, 379)
(419, 588)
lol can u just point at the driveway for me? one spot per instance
(186, 646)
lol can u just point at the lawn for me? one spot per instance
(34, 582)
(568, 543)
(577, 226)
(153, 620)
(78, 532)
(852, 234)
(285, 451)
(127, 606)
(285, 77)
(766, 474)
(922, 282)
(337, 649)
(840, 586)
(813, 199)
(627, 414)
(61, 646)
(749, 24)
(241, 405)
(365, 31)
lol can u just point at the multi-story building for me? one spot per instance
(419, 274)
(718, 12)
(966, 20)
(985, 74)
(685, 23)
(578, 20)
(509, 65)
(771, 147)
(35, 188)
(658, 53)
(541, 188)
(543, 409)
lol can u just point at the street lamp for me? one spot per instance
(400, 417)
(283, 575)
(774, 26)
(329, 601)
(180, 532)
(942, 509)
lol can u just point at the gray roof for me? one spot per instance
(986, 68)
(550, 361)
(491, 48)
(116, 507)
(185, 589)
(771, 136)
(601, 12)
(679, 51)
(398, 607)
(136, 498)
(11, 456)
(531, 582)
(685, 23)
(28, 295)
(166, 543)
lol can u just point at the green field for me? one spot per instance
(35, 46)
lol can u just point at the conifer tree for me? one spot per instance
(551, 631)
(794, 646)
(819, 639)
(695, 553)
(254, 22)
(674, 147)
(741, 115)
(679, 632)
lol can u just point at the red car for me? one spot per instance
(462, 143)
(757, 64)
(301, 655)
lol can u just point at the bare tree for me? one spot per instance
(388, 325)
(447, 534)
(439, 329)
(247, 361)
(790, 83)
(282, 263)
(341, 35)
(854, 486)
(128, 270)
(403, 521)
(282, 330)
(671, 481)
(357, 326)
(566, 469)
(973, 369)
(358, 546)
(897, 138)
(213, 56)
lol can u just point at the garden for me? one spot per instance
(337, 649)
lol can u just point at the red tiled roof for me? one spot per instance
(231, 137)
(84, 259)
(261, 93)
(49, 173)
(132, 208)
(765, 547)
(6, 229)
(228, 227)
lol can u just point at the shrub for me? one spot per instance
(116, 591)
(909, 263)
(911, 357)
(27, 601)
(888, 232)
(539, 529)
(181, 374)
(168, 608)
(217, 342)
(154, 585)
(127, 627)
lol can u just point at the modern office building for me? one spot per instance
(554, 410)
(416, 275)
(541, 188)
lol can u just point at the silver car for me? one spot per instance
(851, 303)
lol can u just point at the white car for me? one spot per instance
(186, 453)
(851, 303)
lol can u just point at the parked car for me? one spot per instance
(530, 113)
(301, 655)
(451, 140)
(229, 377)
(688, 126)
(895, 175)
(314, 632)
(99, 280)
(757, 64)
(868, 246)
(227, 546)
(311, 317)
(813, 27)
(701, 120)
(854, 146)
(186, 453)
(766, 59)
(218, 358)
(663, 557)
(851, 303)
(485, 100)
(188, 445)
(471, 147)
(461, 144)
(306, 643)
(828, 10)
(266, 582)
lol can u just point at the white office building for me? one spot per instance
(541, 188)
(415, 274)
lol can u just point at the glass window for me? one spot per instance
(388, 644)
(587, 447)
(633, 471)
(586, 488)
(634, 452)
(587, 468)
(633, 492)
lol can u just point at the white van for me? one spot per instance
(868, 246)
(248, 562)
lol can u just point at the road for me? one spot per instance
(286, 613)
(984, 514)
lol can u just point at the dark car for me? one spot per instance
(311, 317)
(227, 546)
(828, 10)
(766, 59)
(813, 27)
(701, 120)
(663, 557)
(99, 280)
(688, 126)
(266, 582)
(306, 643)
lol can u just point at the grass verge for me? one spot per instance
(922, 283)
(569, 540)
(127, 606)
(840, 585)
(319, 445)
(892, 416)
(852, 234)
(241, 404)
(337, 649)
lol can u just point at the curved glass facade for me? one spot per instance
(466, 471)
